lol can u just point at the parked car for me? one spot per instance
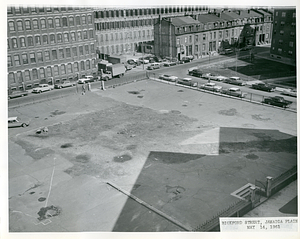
(277, 101)
(128, 66)
(168, 77)
(187, 81)
(143, 60)
(154, 66)
(221, 78)
(15, 94)
(195, 72)
(263, 86)
(211, 87)
(41, 88)
(191, 69)
(131, 62)
(234, 92)
(226, 51)
(16, 122)
(210, 76)
(64, 84)
(90, 78)
(235, 80)
(290, 92)
(186, 59)
(169, 63)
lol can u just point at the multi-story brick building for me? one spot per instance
(283, 44)
(49, 44)
(130, 30)
(200, 35)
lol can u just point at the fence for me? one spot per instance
(236, 209)
(250, 97)
(125, 79)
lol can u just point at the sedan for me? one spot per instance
(235, 80)
(64, 85)
(221, 78)
(168, 77)
(188, 82)
(195, 72)
(15, 94)
(290, 92)
(210, 76)
(211, 87)
(234, 92)
(169, 63)
(16, 122)
(41, 88)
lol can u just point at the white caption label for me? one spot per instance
(267, 224)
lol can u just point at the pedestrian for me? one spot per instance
(83, 88)
(89, 86)
(102, 85)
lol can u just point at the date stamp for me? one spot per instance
(280, 224)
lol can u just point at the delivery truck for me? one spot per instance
(108, 70)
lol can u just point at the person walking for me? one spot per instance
(89, 86)
(83, 88)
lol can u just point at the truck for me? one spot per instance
(277, 101)
(263, 86)
(107, 70)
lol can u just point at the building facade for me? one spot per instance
(283, 44)
(200, 35)
(49, 45)
(127, 31)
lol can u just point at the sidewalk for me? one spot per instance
(271, 207)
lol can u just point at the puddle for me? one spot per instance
(50, 211)
(41, 199)
(32, 193)
(122, 158)
(82, 158)
(180, 91)
(134, 92)
(252, 156)
(131, 147)
(67, 145)
(230, 112)
(140, 96)
(175, 112)
(57, 112)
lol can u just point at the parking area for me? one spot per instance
(181, 151)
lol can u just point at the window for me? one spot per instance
(11, 78)
(73, 38)
(220, 34)
(185, 40)
(34, 74)
(68, 52)
(83, 20)
(92, 48)
(291, 44)
(54, 54)
(49, 71)
(64, 22)
(30, 41)
(76, 68)
(88, 65)
(39, 56)
(77, 20)
(69, 68)
(50, 23)
(59, 38)
(86, 48)
(32, 58)
(196, 38)
(61, 53)
(66, 37)
(279, 50)
(25, 9)
(55, 71)
(42, 73)
(57, 22)
(89, 17)
(93, 61)
(17, 10)
(281, 32)
(14, 43)
(81, 50)
(11, 26)
(280, 42)
(63, 69)
(91, 33)
(20, 25)
(52, 39)
(292, 34)
(290, 53)
(204, 37)
(226, 33)
(203, 47)
(41, 9)
(35, 24)
(27, 75)
(9, 61)
(71, 21)
(19, 76)
(43, 23)
(85, 35)
(37, 40)
(74, 50)
(215, 35)
(45, 39)
(82, 66)
(283, 14)
(190, 38)
(24, 58)
(79, 37)
(22, 42)
(47, 55)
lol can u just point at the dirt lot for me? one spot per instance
(183, 153)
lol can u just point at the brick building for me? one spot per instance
(200, 35)
(283, 44)
(49, 45)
